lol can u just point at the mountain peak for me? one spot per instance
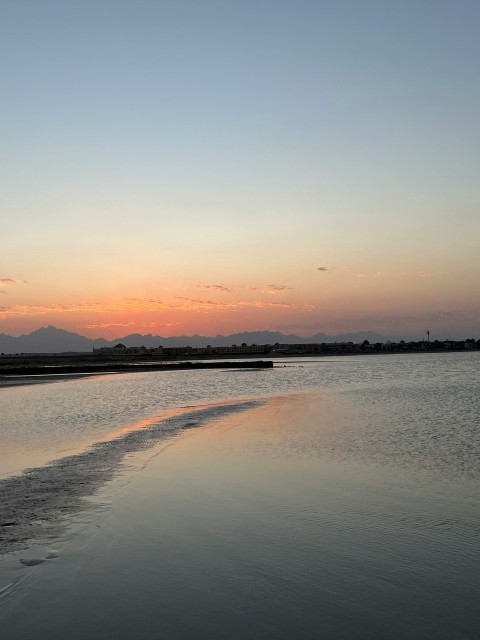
(53, 340)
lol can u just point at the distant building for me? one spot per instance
(120, 350)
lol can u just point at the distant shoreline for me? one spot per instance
(20, 370)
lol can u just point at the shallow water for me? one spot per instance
(42, 422)
(345, 507)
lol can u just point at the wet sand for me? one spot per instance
(37, 503)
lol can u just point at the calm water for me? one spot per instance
(348, 508)
(421, 408)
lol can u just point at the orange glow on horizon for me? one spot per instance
(330, 300)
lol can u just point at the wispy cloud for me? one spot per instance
(275, 288)
(420, 274)
(118, 306)
(133, 301)
(354, 273)
(142, 304)
(215, 287)
(6, 280)
(246, 304)
(204, 302)
(111, 325)
(12, 281)
(105, 325)
(160, 324)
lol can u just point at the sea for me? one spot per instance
(332, 498)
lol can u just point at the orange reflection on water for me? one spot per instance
(144, 424)
(172, 413)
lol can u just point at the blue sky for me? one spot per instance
(150, 149)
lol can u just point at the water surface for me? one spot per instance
(342, 503)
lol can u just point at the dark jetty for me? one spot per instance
(123, 367)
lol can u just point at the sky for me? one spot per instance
(215, 166)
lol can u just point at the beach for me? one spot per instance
(288, 515)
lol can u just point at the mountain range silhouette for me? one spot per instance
(53, 340)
